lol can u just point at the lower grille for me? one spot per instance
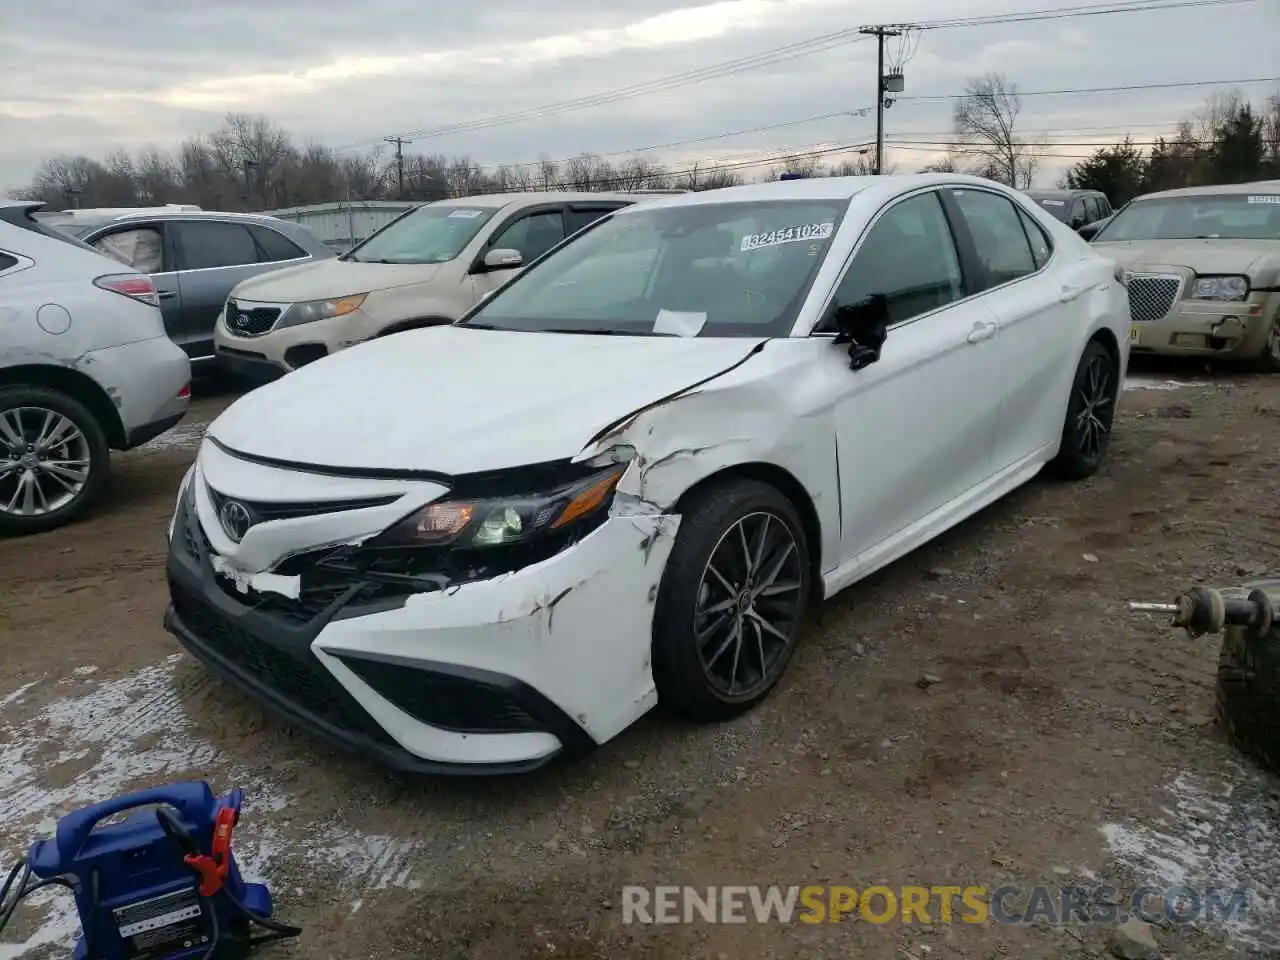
(253, 322)
(297, 676)
(451, 703)
(1151, 297)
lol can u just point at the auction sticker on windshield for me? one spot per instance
(796, 234)
(466, 214)
(1265, 199)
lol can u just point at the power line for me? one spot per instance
(791, 51)
(1119, 89)
(788, 52)
(1066, 13)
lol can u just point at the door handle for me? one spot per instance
(166, 294)
(1070, 293)
(981, 331)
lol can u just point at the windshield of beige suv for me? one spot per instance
(1207, 217)
(429, 234)
(694, 270)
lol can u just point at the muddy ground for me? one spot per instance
(1066, 742)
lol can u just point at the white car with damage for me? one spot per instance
(623, 479)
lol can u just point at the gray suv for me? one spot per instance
(194, 258)
(1076, 208)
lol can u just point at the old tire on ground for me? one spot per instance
(1086, 431)
(54, 459)
(1248, 694)
(732, 600)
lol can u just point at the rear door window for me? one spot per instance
(139, 247)
(998, 237)
(275, 246)
(1041, 248)
(205, 244)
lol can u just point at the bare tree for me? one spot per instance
(985, 123)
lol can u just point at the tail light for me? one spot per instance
(185, 392)
(130, 285)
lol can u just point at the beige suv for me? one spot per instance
(425, 268)
(1204, 271)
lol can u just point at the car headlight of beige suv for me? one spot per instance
(1221, 288)
(312, 310)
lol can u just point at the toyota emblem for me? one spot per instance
(235, 519)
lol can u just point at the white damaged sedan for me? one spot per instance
(623, 478)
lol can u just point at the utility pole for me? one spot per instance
(880, 32)
(400, 143)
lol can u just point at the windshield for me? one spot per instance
(709, 270)
(430, 234)
(1222, 217)
(1054, 205)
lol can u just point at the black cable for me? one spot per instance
(213, 924)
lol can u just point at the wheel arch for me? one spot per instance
(789, 486)
(75, 384)
(1107, 338)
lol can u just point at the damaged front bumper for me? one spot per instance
(493, 676)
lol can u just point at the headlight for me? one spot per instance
(1221, 288)
(503, 521)
(313, 310)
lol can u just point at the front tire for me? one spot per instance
(732, 601)
(54, 459)
(1086, 433)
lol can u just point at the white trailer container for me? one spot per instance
(344, 224)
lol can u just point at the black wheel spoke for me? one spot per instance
(749, 605)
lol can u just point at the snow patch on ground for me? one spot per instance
(1139, 382)
(1220, 832)
(115, 736)
(185, 436)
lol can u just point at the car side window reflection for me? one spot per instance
(910, 257)
(998, 236)
(141, 248)
(532, 235)
(1041, 249)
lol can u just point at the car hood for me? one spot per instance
(1202, 256)
(454, 400)
(329, 278)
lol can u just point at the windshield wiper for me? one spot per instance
(606, 332)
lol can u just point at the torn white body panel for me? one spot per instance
(577, 628)
(257, 582)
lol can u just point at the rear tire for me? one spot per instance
(1248, 694)
(1086, 432)
(54, 459)
(732, 601)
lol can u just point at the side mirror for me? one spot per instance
(503, 258)
(1077, 223)
(1088, 230)
(864, 326)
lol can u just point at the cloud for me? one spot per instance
(152, 72)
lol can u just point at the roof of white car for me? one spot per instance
(1217, 190)
(819, 188)
(537, 196)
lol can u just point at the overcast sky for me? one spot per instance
(89, 77)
